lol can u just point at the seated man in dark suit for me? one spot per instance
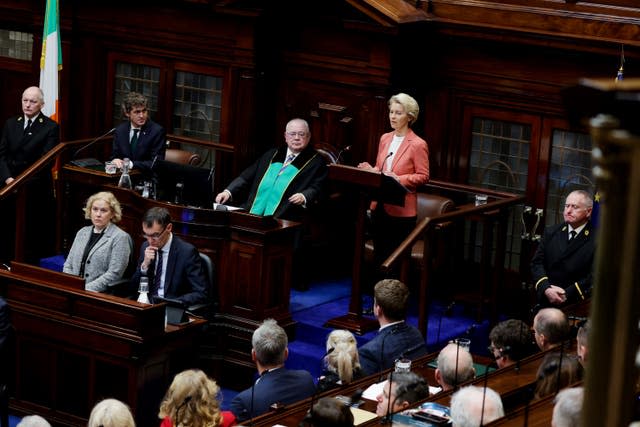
(174, 266)
(396, 338)
(562, 265)
(139, 139)
(276, 384)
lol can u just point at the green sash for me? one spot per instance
(272, 187)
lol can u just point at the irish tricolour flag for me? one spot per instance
(51, 60)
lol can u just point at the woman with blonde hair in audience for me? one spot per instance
(111, 413)
(192, 400)
(342, 363)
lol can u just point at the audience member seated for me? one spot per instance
(400, 391)
(139, 139)
(556, 371)
(100, 252)
(568, 408)
(511, 341)
(191, 400)
(111, 413)
(582, 341)
(174, 266)
(276, 383)
(341, 364)
(33, 421)
(395, 338)
(329, 412)
(455, 366)
(473, 406)
(550, 328)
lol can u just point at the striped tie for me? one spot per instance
(288, 160)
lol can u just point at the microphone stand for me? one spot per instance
(347, 148)
(84, 147)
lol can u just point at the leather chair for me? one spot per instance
(429, 205)
(182, 156)
(207, 309)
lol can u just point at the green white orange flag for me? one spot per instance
(51, 60)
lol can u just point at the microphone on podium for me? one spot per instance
(339, 156)
(385, 161)
(84, 147)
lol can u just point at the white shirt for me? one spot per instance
(393, 149)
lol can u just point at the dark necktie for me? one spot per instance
(134, 140)
(28, 128)
(157, 276)
(572, 234)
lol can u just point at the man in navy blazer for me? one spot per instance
(173, 266)
(138, 139)
(276, 383)
(27, 137)
(563, 263)
(396, 339)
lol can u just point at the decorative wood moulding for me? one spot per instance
(390, 13)
(618, 23)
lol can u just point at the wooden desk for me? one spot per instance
(252, 256)
(75, 347)
(292, 415)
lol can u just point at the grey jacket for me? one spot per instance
(107, 261)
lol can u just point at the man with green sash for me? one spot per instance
(285, 181)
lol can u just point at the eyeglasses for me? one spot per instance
(294, 134)
(154, 236)
(574, 207)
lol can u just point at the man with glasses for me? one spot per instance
(173, 266)
(562, 265)
(138, 139)
(284, 181)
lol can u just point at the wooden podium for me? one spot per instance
(369, 186)
(252, 256)
(75, 347)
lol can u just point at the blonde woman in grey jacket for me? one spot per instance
(100, 252)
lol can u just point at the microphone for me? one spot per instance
(347, 148)
(153, 162)
(355, 397)
(387, 416)
(385, 161)
(446, 312)
(406, 353)
(184, 402)
(84, 147)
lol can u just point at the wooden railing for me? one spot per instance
(495, 210)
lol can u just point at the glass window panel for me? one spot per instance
(16, 45)
(197, 106)
(135, 78)
(570, 169)
(500, 161)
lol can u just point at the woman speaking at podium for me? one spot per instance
(404, 156)
(101, 251)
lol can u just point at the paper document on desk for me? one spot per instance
(361, 416)
(221, 207)
(373, 391)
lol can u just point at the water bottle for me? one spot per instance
(146, 189)
(403, 365)
(178, 195)
(143, 289)
(125, 179)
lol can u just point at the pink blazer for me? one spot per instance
(411, 164)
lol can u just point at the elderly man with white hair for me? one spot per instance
(567, 408)
(475, 406)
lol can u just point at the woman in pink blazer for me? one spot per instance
(404, 156)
